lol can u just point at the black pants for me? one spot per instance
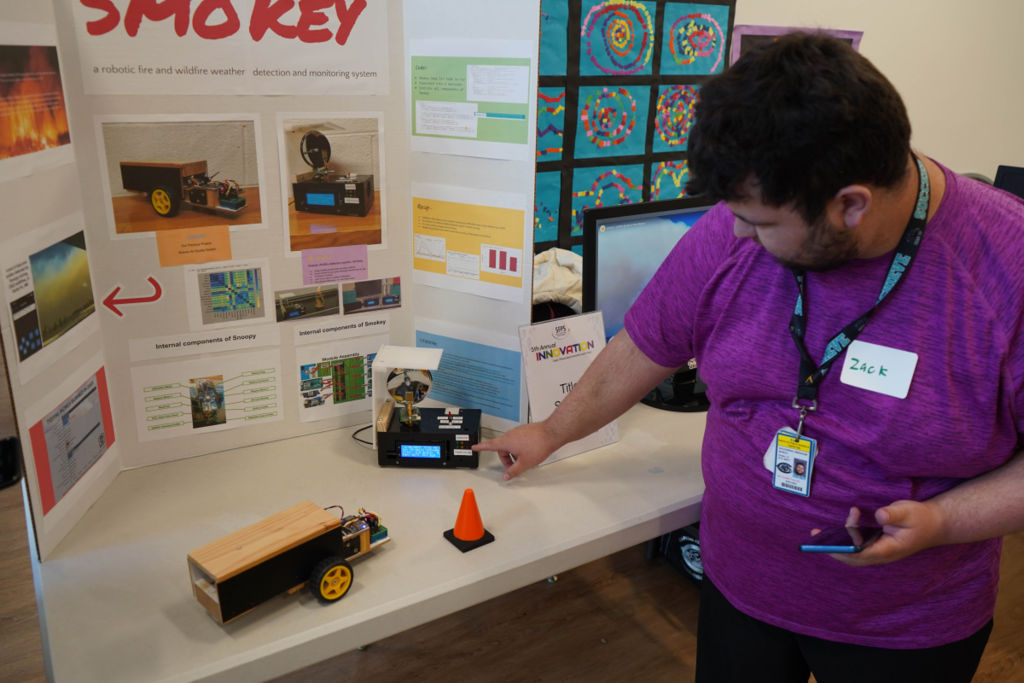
(735, 648)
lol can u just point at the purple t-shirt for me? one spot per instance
(726, 302)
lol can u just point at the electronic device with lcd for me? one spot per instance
(623, 247)
(408, 436)
(842, 539)
(323, 191)
(173, 184)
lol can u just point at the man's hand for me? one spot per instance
(521, 448)
(909, 527)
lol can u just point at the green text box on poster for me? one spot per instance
(486, 99)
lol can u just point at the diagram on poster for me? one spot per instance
(471, 97)
(227, 293)
(49, 294)
(336, 379)
(71, 438)
(470, 240)
(232, 47)
(479, 369)
(34, 133)
(208, 395)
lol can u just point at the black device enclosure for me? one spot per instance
(351, 196)
(428, 431)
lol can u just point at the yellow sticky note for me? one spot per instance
(193, 245)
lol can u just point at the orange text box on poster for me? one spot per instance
(466, 228)
(202, 245)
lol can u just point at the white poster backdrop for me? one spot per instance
(14, 33)
(232, 47)
(208, 395)
(49, 296)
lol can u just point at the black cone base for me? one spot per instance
(466, 546)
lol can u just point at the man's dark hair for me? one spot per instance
(806, 115)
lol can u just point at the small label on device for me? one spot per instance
(462, 437)
(467, 452)
(444, 426)
(350, 187)
(351, 200)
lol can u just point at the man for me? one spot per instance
(832, 237)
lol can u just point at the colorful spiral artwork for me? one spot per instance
(617, 37)
(695, 36)
(674, 117)
(668, 179)
(609, 116)
(550, 123)
(610, 188)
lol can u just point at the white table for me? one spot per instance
(116, 599)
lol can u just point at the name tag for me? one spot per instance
(879, 368)
(794, 462)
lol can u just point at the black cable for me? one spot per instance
(356, 433)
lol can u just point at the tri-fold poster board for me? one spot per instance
(217, 213)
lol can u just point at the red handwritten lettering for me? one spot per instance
(312, 15)
(157, 10)
(108, 23)
(214, 32)
(347, 17)
(266, 16)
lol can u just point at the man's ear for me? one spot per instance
(850, 205)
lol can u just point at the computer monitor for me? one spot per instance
(1011, 179)
(623, 247)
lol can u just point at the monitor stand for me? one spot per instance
(682, 392)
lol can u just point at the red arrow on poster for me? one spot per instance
(112, 303)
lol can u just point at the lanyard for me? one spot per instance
(811, 374)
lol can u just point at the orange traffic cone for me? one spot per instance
(469, 532)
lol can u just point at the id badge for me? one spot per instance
(794, 462)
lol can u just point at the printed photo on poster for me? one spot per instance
(208, 395)
(471, 97)
(371, 295)
(232, 47)
(34, 132)
(479, 369)
(336, 379)
(302, 303)
(71, 438)
(49, 293)
(332, 179)
(470, 241)
(180, 172)
(227, 293)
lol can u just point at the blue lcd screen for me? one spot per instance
(320, 199)
(420, 451)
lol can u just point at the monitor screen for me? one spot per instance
(319, 199)
(629, 251)
(1010, 179)
(369, 288)
(409, 450)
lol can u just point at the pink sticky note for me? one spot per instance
(316, 227)
(334, 264)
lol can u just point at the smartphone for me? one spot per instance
(842, 539)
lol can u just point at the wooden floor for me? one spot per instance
(305, 228)
(135, 214)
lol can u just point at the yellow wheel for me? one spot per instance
(164, 202)
(331, 580)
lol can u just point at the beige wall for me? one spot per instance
(956, 64)
(227, 146)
